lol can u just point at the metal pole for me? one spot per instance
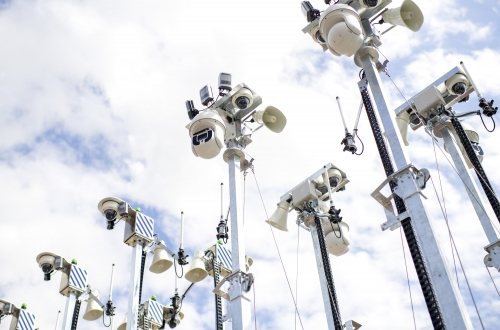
(239, 301)
(133, 297)
(68, 311)
(448, 295)
(469, 184)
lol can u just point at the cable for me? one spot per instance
(444, 205)
(483, 179)
(76, 311)
(297, 273)
(454, 247)
(484, 124)
(143, 262)
(254, 307)
(355, 131)
(328, 275)
(278, 250)
(408, 279)
(491, 277)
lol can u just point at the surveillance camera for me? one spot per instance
(340, 26)
(243, 99)
(207, 132)
(110, 208)
(334, 177)
(457, 84)
(49, 263)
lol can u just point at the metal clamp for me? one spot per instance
(245, 279)
(492, 259)
(245, 160)
(410, 181)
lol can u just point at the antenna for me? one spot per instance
(181, 257)
(222, 231)
(488, 109)
(348, 140)
(57, 319)
(110, 308)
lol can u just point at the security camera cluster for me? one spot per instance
(139, 234)
(312, 198)
(214, 126)
(347, 28)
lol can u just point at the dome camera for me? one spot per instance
(243, 99)
(340, 26)
(49, 262)
(335, 177)
(109, 207)
(457, 84)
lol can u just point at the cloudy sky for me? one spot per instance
(92, 99)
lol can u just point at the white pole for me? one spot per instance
(68, 311)
(133, 298)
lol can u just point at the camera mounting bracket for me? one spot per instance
(492, 259)
(404, 191)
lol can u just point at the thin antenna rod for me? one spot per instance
(470, 80)
(111, 283)
(342, 114)
(57, 319)
(221, 198)
(359, 115)
(182, 229)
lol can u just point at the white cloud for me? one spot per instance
(92, 96)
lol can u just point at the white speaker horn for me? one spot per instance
(403, 120)
(272, 118)
(408, 15)
(279, 217)
(197, 271)
(161, 261)
(123, 325)
(93, 310)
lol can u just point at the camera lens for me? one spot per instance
(414, 119)
(47, 268)
(242, 102)
(110, 214)
(320, 38)
(459, 88)
(334, 181)
(371, 3)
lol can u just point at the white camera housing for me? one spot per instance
(316, 188)
(243, 99)
(340, 26)
(442, 92)
(207, 132)
(457, 84)
(110, 205)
